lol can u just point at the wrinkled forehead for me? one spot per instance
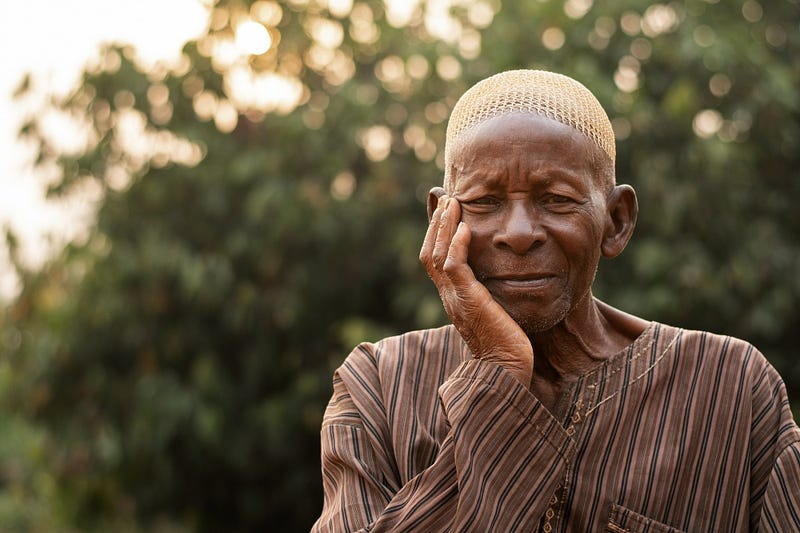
(549, 94)
(507, 133)
(520, 146)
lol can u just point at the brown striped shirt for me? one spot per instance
(681, 431)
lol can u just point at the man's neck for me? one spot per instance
(591, 333)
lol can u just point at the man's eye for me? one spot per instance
(557, 199)
(484, 202)
(560, 204)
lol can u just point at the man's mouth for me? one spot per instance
(517, 280)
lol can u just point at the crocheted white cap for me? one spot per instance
(550, 94)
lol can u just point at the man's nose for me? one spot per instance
(521, 228)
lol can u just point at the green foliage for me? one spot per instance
(175, 365)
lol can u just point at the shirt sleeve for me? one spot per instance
(781, 507)
(498, 435)
(775, 454)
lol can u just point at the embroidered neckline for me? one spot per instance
(586, 385)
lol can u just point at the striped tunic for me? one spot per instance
(681, 431)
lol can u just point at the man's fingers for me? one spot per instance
(426, 253)
(448, 222)
(437, 193)
(457, 253)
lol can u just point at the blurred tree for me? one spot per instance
(261, 205)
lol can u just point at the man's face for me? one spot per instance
(528, 193)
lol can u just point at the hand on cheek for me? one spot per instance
(491, 334)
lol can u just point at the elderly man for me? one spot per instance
(542, 408)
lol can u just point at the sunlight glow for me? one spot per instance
(362, 25)
(706, 123)
(65, 133)
(576, 9)
(626, 77)
(143, 145)
(377, 142)
(265, 91)
(641, 48)
(340, 8)
(326, 32)
(448, 68)
(391, 71)
(621, 127)
(480, 14)
(267, 13)
(659, 19)
(343, 185)
(469, 46)
(156, 29)
(440, 22)
(204, 104)
(553, 38)
(704, 36)
(252, 38)
(399, 14)
(417, 66)
(436, 112)
(631, 23)
(776, 35)
(752, 11)
(416, 137)
(160, 106)
(226, 117)
(224, 53)
(719, 84)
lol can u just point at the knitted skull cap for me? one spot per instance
(550, 94)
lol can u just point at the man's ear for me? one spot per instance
(621, 219)
(433, 200)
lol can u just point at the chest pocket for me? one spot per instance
(622, 520)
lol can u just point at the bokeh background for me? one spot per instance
(253, 208)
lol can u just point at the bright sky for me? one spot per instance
(52, 39)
